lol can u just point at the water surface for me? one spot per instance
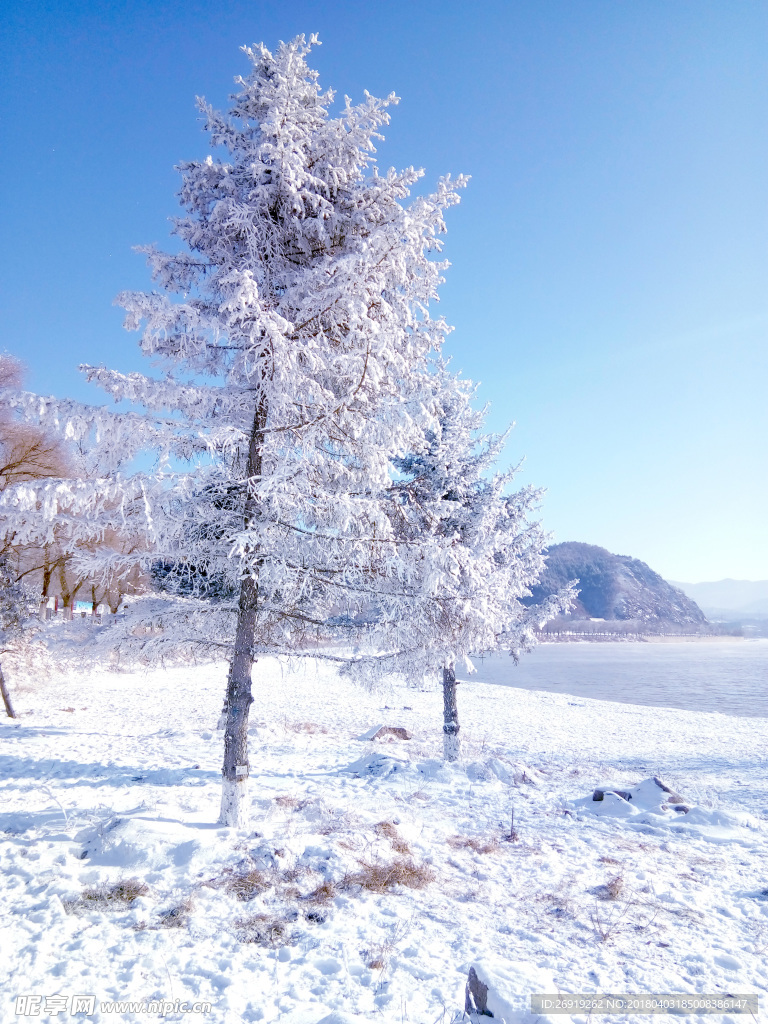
(730, 676)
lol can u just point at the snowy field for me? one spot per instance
(366, 894)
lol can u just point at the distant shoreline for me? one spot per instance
(648, 638)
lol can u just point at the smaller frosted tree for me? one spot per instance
(15, 608)
(480, 549)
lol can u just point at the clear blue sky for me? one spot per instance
(608, 284)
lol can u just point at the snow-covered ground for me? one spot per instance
(110, 789)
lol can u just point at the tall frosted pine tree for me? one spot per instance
(317, 489)
(291, 332)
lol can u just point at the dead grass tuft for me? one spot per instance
(612, 889)
(387, 830)
(263, 930)
(608, 860)
(178, 915)
(307, 727)
(118, 896)
(350, 844)
(290, 803)
(334, 819)
(382, 878)
(248, 884)
(471, 843)
(377, 957)
(323, 892)
(290, 875)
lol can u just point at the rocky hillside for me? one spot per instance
(615, 587)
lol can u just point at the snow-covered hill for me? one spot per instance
(374, 876)
(616, 587)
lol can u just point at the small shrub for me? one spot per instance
(607, 925)
(378, 956)
(333, 820)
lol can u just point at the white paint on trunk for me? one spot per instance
(234, 803)
(451, 747)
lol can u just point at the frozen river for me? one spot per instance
(730, 676)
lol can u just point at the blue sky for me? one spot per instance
(608, 284)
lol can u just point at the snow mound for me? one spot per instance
(140, 842)
(376, 765)
(651, 803)
(648, 797)
(491, 770)
(337, 1017)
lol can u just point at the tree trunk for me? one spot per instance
(222, 722)
(6, 695)
(47, 573)
(234, 807)
(451, 741)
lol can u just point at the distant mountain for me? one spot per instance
(734, 598)
(615, 587)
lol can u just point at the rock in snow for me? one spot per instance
(650, 795)
(502, 989)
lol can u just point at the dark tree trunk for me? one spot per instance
(222, 722)
(6, 696)
(48, 568)
(234, 810)
(451, 741)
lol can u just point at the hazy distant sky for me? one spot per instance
(610, 258)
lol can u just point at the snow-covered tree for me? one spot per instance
(478, 549)
(290, 330)
(303, 499)
(16, 605)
